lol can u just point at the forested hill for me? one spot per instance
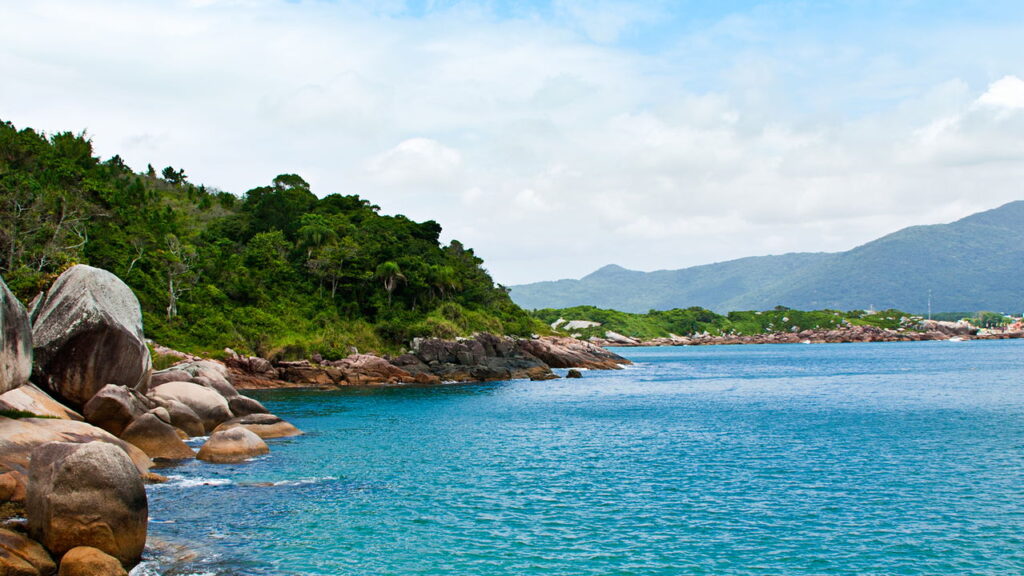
(277, 271)
(972, 264)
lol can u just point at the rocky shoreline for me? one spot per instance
(84, 419)
(482, 358)
(926, 330)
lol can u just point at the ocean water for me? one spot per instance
(897, 458)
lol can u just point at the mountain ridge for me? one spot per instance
(973, 263)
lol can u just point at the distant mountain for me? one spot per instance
(976, 263)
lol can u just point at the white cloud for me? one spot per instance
(724, 137)
(1007, 92)
(415, 161)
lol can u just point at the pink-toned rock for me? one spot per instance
(113, 407)
(232, 446)
(29, 398)
(211, 407)
(19, 437)
(87, 495)
(156, 438)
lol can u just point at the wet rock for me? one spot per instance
(232, 446)
(156, 438)
(88, 561)
(87, 495)
(15, 341)
(87, 333)
(573, 374)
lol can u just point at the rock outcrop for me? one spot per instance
(15, 341)
(263, 425)
(573, 353)
(87, 333)
(232, 446)
(88, 561)
(29, 398)
(22, 556)
(484, 357)
(87, 495)
(156, 438)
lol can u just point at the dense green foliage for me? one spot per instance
(696, 320)
(276, 272)
(972, 264)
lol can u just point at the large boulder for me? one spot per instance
(231, 446)
(29, 398)
(113, 407)
(15, 341)
(210, 406)
(21, 555)
(87, 495)
(87, 333)
(156, 438)
(88, 561)
(263, 425)
(20, 437)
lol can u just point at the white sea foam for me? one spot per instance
(183, 482)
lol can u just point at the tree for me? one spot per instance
(179, 261)
(391, 275)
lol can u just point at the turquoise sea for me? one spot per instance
(898, 458)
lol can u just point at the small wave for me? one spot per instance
(304, 481)
(184, 482)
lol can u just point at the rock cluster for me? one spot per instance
(78, 477)
(484, 357)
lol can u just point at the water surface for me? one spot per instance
(896, 458)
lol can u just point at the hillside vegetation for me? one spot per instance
(275, 272)
(696, 320)
(972, 264)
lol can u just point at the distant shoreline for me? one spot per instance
(838, 336)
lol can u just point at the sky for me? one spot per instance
(554, 137)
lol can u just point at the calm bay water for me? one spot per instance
(790, 459)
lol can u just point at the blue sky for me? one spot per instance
(555, 137)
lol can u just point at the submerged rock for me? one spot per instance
(87, 495)
(87, 333)
(15, 341)
(232, 446)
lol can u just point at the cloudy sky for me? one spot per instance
(555, 137)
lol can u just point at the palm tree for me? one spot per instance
(390, 274)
